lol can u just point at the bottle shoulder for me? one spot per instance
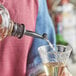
(60, 40)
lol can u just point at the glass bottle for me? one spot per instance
(10, 28)
(4, 22)
(69, 24)
(59, 30)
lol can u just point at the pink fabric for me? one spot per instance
(13, 52)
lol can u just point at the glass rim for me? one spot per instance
(57, 46)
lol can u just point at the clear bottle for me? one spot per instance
(4, 22)
(10, 28)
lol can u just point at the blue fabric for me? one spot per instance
(44, 24)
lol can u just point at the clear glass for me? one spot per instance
(53, 60)
(4, 22)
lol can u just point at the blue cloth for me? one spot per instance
(44, 24)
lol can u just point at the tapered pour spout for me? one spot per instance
(34, 34)
(19, 31)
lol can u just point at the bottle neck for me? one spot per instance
(18, 30)
(58, 24)
(59, 29)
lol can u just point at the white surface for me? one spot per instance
(72, 68)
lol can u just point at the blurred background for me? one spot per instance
(63, 13)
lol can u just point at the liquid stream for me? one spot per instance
(50, 44)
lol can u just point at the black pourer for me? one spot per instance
(19, 31)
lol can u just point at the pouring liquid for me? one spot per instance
(50, 44)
